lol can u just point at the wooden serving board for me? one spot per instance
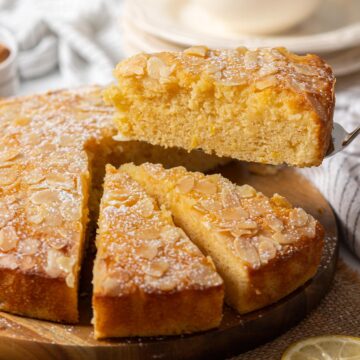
(23, 338)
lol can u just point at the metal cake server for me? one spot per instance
(341, 139)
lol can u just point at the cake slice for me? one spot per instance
(262, 248)
(149, 278)
(264, 105)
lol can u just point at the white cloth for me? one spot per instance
(80, 37)
(338, 178)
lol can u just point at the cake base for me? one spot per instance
(21, 337)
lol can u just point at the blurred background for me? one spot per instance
(47, 44)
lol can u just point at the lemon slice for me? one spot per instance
(333, 347)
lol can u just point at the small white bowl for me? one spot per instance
(9, 78)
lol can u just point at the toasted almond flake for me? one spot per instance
(22, 121)
(57, 243)
(236, 213)
(274, 223)
(147, 250)
(246, 191)
(310, 229)
(157, 268)
(65, 263)
(229, 197)
(284, 239)
(209, 205)
(247, 224)
(52, 267)
(266, 249)
(53, 217)
(27, 263)
(186, 184)
(70, 211)
(35, 215)
(8, 176)
(146, 207)
(298, 217)
(9, 155)
(166, 284)
(266, 82)
(197, 51)
(9, 261)
(70, 280)
(251, 60)
(8, 238)
(238, 232)
(29, 246)
(170, 234)
(157, 69)
(148, 234)
(34, 177)
(47, 197)
(67, 140)
(59, 180)
(247, 251)
(280, 201)
(206, 187)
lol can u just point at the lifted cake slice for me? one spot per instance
(264, 105)
(149, 278)
(263, 248)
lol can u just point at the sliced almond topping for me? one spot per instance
(247, 251)
(70, 280)
(146, 207)
(8, 176)
(9, 261)
(166, 284)
(8, 155)
(157, 69)
(170, 234)
(47, 197)
(59, 180)
(206, 187)
(34, 177)
(274, 223)
(247, 224)
(65, 263)
(52, 267)
(298, 217)
(157, 268)
(57, 243)
(197, 51)
(266, 82)
(310, 229)
(147, 250)
(67, 140)
(28, 262)
(266, 248)
(236, 213)
(229, 197)
(284, 239)
(148, 234)
(29, 246)
(238, 232)
(246, 191)
(209, 205)
(280, 201)
(22, 121)
(8, 238)
(53, 217)
(35, 214)
(70, 211)
(251, 60)
(186, 184)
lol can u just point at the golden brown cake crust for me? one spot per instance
(199, 76)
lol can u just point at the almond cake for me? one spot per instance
(149, 278)
(263, 105)
(52, 145)
(262, 247)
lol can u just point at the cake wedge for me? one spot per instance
(149, 278)
(262, 247)
(263, 105)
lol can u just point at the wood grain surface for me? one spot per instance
(23, 338)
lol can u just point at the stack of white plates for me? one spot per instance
(333, 32)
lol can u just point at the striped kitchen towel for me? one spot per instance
(338, 178)
(80, 37)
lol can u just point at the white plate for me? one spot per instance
(343, 62)
(334, 26)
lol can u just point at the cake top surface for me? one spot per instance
(139, 247)
(255, 228)
(43, 175)
(308, 75)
